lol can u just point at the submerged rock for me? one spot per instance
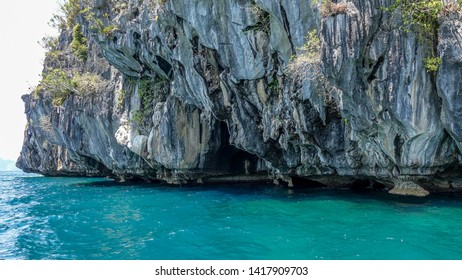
(194, 90)
(408, 188)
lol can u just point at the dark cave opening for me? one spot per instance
(365, 185)
(231, 159)
(243, 162)
(165, 66)
(300, 182)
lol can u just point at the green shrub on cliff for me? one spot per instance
(49, 43)
(71, 11)
(421, 16)
(79, 43)
(432, 63)
(307, 63)
(53, 54)
(60, 84)
(88, 83)
(146, 88)
(68, 18)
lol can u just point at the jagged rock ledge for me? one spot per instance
(199, 90)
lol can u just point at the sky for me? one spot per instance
(22, 25)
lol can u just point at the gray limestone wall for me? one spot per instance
(200, 89)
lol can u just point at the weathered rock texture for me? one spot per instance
(220, 101)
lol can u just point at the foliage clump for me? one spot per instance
(432, 63)
(263, 17)
(52, 52)
(329, 8)
(60, 84)
(49, 43)
(121, 94)
(58, 80)
(68, 19)
(146, 89)
(307, 63)
(421, 16)
(96, 24)
(71, 11)
(79, 43)
(88, 83)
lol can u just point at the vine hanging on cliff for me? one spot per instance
(146, 91)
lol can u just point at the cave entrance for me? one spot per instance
(304, 183)
(366, 185)
(243, 162)
(231, 159)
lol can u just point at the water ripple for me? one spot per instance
(75, 218)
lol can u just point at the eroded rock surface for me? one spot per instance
(199, 89)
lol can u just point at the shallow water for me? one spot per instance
(81, 218)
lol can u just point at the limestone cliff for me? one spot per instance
(194, 90)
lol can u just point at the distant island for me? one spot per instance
(7, 165)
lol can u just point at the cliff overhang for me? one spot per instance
(195, 91)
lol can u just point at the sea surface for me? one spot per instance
(81, 218)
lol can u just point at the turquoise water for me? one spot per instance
(80, 218)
